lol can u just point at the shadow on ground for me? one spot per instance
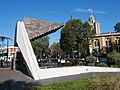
(16, 85)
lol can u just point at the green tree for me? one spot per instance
(87, 34)
(41, 47)
(55, 50)
(75, 38)
(117, 27)
(79, 38)
(67, 40)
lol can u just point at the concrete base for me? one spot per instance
(66, 71)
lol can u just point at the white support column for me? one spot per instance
(103, 41)
(27, 50)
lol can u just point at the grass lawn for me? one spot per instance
(93, 83)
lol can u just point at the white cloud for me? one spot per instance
(80, 10)
(89, 11)
(100, 12)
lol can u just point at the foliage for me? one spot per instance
(114, 57)
(55, 50)
(101, 64)
(75, 38)
(41, 47)
(87, 35)
(67, 40)
(90, 59)
(73, 63)
(117, 27)
(93, 83)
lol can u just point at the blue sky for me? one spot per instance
(57, 11)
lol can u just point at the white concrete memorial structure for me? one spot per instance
(30, 29)
(27, 30)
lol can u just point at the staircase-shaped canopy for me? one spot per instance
(31, 29)
(38, 28)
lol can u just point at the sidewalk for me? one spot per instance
(15, 80)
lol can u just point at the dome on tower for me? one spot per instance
(91, 17)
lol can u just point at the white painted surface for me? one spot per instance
(26, 50)
(65, 71)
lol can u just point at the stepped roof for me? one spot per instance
(37, 28)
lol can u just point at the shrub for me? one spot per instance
(73, 63)
(101, 64)
(70, 63)
(90, 60)
(91, 64)
(114, 57)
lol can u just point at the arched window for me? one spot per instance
(117, 41)
(108, 45)
(97, 45)
(108, 42)
(96, 42)
(117, 44)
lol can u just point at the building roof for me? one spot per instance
(37, 28)
(108, 34)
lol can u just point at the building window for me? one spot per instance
(97, 45)
(117, 44)
(117, 41)
(108, 45)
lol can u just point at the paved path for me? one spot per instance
(7, 73)
(15, 80)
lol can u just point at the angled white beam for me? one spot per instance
(27, 51)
